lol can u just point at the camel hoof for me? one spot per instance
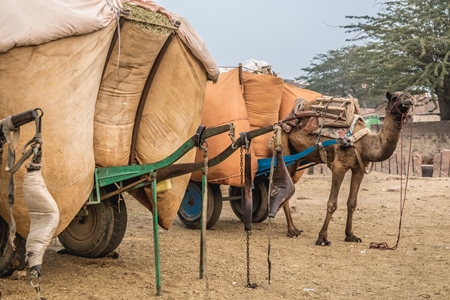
(294, 233)
(323, 242)
(353, 239)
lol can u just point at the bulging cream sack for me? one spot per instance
(122, 85)
(172, 114)
(62, 78)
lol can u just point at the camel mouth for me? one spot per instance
(402, 102)
(407, 102)
(405, 107)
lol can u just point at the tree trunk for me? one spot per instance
(444, 99)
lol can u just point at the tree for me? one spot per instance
(408, 48)
(339, 73)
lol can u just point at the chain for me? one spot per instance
(37, 286)
(247, 232)
(241, 169)
(249, 285)
(231, 134)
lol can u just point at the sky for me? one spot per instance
(287, 34)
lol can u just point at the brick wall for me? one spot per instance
(427, 137)
(405, 164)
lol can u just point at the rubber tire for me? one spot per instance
(190, 209)
(259, 197)
(11, 260)
(100, 232)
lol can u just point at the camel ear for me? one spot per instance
(388, 95)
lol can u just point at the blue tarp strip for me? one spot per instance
(264, 163)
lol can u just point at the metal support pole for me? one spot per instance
(203, 228)
(204, 216)
(156, 235)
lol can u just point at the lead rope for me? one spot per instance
(12, 167)
(6, 127)
(384, 245)
(117, 12)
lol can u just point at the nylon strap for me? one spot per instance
(361, 164)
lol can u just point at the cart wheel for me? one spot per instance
(260, 201)
(97, 230)
(191, 206)
(10, 260)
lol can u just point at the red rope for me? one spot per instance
(384, 245)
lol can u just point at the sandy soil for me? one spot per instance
(418, 269)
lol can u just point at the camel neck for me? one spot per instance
(380, 146)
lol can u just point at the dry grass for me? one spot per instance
(152, 21)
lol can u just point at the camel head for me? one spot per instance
(398, 105)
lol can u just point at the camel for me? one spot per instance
(342, 158)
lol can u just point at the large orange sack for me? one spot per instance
(224, 104)
(290, 94)
(262, 95)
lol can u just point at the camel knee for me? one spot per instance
(331, 208)
(351, 206)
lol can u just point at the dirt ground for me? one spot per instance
(418, 269)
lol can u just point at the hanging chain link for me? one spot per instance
(247, 232)
(241, 169)
(232, 135)
(37, 286)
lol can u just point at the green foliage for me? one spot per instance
(407, 48)
(338, 73)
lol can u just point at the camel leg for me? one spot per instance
(357, 177)
(292, 230)
(336, 179)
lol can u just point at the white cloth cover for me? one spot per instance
(44, 216)
(29, 23)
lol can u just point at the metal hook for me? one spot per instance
(244, 140)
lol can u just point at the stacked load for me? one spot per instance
(250, 100)
(113, 90)
(150, 101)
